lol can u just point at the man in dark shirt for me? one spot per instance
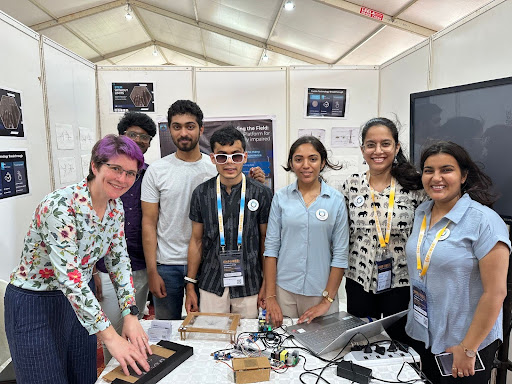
(140, 128)
(228, 251)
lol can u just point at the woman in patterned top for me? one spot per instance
(381, 204)
(51, 315)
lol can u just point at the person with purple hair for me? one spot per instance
(51, 316)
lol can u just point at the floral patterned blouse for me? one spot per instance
(64, 241)
(363, 234)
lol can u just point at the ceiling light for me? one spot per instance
(155, 52)
(289, 5)
(128, 15)
(265, 57)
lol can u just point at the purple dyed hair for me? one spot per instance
(111, 146)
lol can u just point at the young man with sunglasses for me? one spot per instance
(140, 128)
(166, 191)
(229, 216)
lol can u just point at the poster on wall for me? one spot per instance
(259, 136)
(137, 97)
(11, 116)
(318, 133)
(325, 103)
(344, 137)
(13, 170)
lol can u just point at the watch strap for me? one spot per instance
(190, 280)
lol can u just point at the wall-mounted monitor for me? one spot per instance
(477, 116)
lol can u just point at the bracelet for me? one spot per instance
(95, 273)
(190, 280)
(269, 297)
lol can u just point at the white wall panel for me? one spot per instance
(169, 84)
(398, 80)
(362, 85)
(71, 90)
(248, 92)
(21, 72)
(474, 51)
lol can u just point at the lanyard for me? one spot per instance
(391, 204)
(240, 216)
(431, 248)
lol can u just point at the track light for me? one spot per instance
(289, 5)
(128, 14)
(155, 52)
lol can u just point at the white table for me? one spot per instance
(202, 368)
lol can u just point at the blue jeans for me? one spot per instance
(47, 342)
(169, 308)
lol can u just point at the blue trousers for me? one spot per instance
(169, 308)
(47, 342)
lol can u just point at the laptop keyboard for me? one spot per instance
(325, 336)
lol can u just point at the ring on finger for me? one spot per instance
(454, 368)
(460, 373)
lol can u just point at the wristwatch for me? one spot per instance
(326, 295)
(131, 310)
(468, 352)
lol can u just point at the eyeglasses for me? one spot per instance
(118, 170)
(141, 136)
(385, 146)
(222, 158)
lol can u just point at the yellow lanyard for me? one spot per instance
(383, 242)
(431, 248)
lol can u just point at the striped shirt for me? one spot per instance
(203, 209)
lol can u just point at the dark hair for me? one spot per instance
(183, 107)
(402, 169)
(319, 147)
(477, 184)
(136, 119)
(227, 136)
(113, 145)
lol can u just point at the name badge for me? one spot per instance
(384, 264)
(359, 201)
(445, 235)
(232, 268)
(253, 205)
(419, 303)
(322, 214)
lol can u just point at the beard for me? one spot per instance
(185, 145)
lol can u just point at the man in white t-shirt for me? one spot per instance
(166, 192)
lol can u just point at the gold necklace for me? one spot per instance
(308, 203)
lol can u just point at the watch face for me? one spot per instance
(325, 293)
(470, 353)
(134, 310)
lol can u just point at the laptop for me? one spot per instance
(331, 332)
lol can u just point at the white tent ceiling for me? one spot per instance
(238, 32)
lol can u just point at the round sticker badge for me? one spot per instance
(253, 205)
(445, 234)
(322, 214)
(359, 201)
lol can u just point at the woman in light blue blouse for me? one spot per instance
(457, 257)
(306, 247)
(51, 315)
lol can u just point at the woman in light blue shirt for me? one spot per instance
(306, 247)
(457, 257)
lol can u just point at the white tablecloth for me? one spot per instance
(202, 368)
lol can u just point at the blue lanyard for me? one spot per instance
(240, 216)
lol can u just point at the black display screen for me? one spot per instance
(477, 116)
